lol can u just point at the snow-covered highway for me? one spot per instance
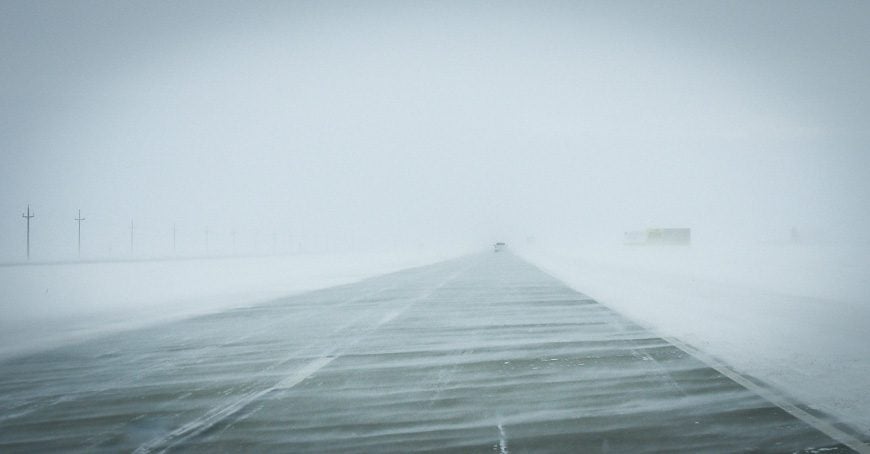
(478, 354)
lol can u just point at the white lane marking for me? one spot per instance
(216, 415)
(780, 401)
(502, 440)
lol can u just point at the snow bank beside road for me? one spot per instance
(48, 305)
(795, 317)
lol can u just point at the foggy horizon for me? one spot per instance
(384, 125)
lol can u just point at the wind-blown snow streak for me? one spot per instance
(502, 440)
(778, 399)
(207, 421)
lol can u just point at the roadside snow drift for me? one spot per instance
(794, 316)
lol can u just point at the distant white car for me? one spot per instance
(499, 247)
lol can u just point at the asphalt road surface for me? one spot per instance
(481, 354)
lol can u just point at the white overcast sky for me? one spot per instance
(396, 123)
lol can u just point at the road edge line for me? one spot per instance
(781, 401)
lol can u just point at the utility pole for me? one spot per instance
(79, 220)
(28, 216)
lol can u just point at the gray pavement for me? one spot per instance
(481, 354)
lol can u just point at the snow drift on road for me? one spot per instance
(49, 305)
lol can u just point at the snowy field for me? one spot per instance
(793, 316)
(43, 306)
